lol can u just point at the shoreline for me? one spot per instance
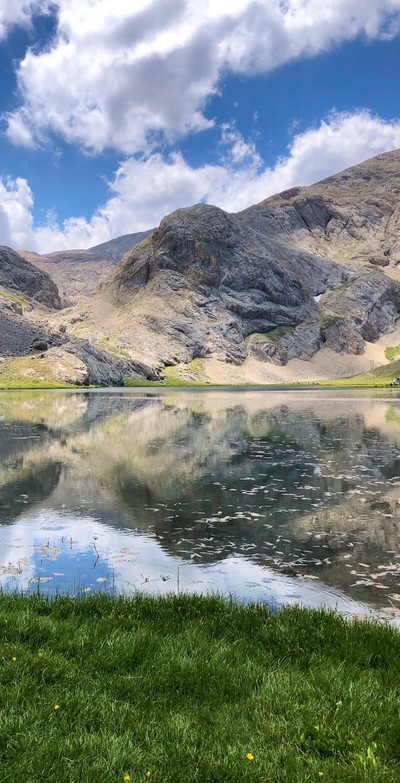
(328, 384)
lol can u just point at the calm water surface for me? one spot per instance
(266, 495)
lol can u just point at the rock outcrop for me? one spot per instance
(18, 335)
(16, 273)
(352, 218)
(223, 282)
(103, 369)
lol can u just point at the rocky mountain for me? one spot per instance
(28, 296)
(204, 282)
(304, 285)
(311, 268)
(351, 218)
(79, 272)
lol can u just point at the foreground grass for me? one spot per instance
(190, 689)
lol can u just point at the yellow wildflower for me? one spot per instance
(56, 706)
(250, 756)
(321, 774)
(127, 778)
(148, 773)
(14, 658)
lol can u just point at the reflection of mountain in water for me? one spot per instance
(279, 478)
(32, 484)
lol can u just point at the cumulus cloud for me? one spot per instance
(127, 75)
(20, 12)
(147, 188)
(16, 204)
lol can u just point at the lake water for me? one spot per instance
(273, 496)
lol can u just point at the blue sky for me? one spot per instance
(113, 117)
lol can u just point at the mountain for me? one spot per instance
(302, 286)
(79, 272)
(22, 286)
(309, 269)
(352, 217)
(28, 296)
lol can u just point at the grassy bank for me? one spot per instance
(193, 374)
(193, 690)
(380, 377)
(30, 372)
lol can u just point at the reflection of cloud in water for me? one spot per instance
(218, 477)
(39, 546)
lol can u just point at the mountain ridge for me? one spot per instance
(306, 280)
(263, 269)
(78, 272)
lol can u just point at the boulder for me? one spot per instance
(40, 345)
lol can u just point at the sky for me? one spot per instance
(114, 113)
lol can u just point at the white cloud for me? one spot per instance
(239, 151)
(20, 12)
(123, 75)
(16, 203)
(146, 189)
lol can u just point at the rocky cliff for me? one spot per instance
(222, 281)
(311, 267)
(22, 287)
(16, 273)
(351, 218)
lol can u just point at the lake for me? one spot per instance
(273, 496)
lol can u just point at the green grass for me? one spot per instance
(29, 372)
(380, 377)
(84, 324)
(14, 297)
(133, 382)
(328, 320)
(185, 687)
(165, 382)
(111, 347)
(19, 384)
(391, 352)
(269, 337)
(193, 373)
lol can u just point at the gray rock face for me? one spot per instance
(302, 343)
(40, 345)
(18, 335)
(18, 274)
(352, 217)
(369, 306)
(362, 309)
(344, 337)
(226, 277)
(106, 370)
(231, 282)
